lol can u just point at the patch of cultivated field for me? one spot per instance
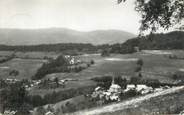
(68, 85)
(155, 66)
(38, 55)
(26, 68)
(160, 65)
(5, 53)
(120, 64)
(74, 100)
(157, 52)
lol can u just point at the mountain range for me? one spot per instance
(61, 35)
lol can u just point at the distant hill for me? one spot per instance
(61, 35)
(172, 40)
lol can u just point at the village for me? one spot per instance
(114, 92)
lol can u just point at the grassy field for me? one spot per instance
(157, 65)
(26, 63)
(26, 68)
(31, 55)
(68, 85)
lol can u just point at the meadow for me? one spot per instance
(26, 68)
(156, 65)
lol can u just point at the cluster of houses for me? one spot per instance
(32, 84)
(114, 91)
(8, 112)
(8, 80)
(72, 60)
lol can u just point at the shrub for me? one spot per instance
(129, 94)
(179, 75)
(140, 62)
(92, 62)
(105, 53)
(135, 80)
(155, 83)
(105, 81)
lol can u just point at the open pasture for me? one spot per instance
(156, 66)
(25, 67)
(31, 55)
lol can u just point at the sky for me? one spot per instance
(82, 15)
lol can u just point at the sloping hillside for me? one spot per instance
(61, 35)
(168, 101)
(172, 40)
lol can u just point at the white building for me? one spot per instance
(114, 88)
(130, 87)
(113, 93)
(49, 113)
(143, 89)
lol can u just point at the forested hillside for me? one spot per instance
(172, 40)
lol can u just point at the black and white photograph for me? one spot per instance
(91, 57)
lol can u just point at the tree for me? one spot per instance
(56, 80)
(24, 109)
(140, 62)
(159, 13)
(14, 96)
(138, 68)
(14, 73)
(105, 53)
(92, 62)
(137, 77)
(135, 80)
(40, 111)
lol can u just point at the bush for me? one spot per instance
(135, 80)
(140, 62)
(105, 53)
(92, 62)
(179, 75)
(106, 81)
(14, 73)
(40, 111)
(8, 58)
(154, 83)
(129, 94)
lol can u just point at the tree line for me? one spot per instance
(169, 41)
(172, 40)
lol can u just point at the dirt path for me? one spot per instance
(127, 104)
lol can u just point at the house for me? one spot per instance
(98, 88)
(114, 97)
(49, 113)
(143, 89)
(130, 87)
(158, 89)
(8, 112)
